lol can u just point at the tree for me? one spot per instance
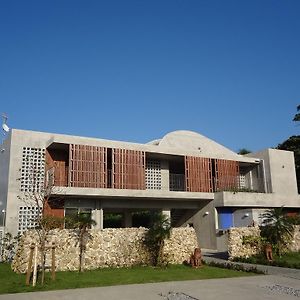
(83, 222)
(293, 144)
(243, 151)
(277, 228)
(37, 196)
(297, 115)
(160, 229)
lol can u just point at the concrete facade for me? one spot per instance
(267, 179)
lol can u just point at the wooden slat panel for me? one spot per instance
(87, 166)
(128, 169)
(198, 174)
(60, 173)
(227, 174)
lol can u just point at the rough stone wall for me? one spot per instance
(295, 243)
(236, 248)
(122, 247)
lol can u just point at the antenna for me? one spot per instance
(4, 125)
(5, 131)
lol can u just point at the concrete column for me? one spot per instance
(97, 215)
(251, 180)
(127, 218)
(167, 213)
(165, 175)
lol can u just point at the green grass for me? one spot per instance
(15, 283)
(287, 260)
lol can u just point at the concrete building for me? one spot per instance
(191, 178)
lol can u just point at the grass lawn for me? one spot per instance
(11, 282)
(287, 260)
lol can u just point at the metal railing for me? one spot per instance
(177, 182)
(239, 184)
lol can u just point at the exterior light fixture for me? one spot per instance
(206, 213)
(246, 215)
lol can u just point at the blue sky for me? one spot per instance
(135, 70)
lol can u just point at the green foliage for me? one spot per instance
(293, 144)
(82, 221)
(141, 219)
(11, 282)
(277, 228)
(232, 266)
(287, 260)
(297, 115)
(243, 151)
(254, 241)
(160, 229)
(112, 220)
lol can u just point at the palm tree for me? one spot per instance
(83, 222)
(160, 229)
(277, 228)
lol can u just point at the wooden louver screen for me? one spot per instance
(60, 173)
(198, 174)
(226, 174)
(57, 169)
(88, 166)
(128, 169)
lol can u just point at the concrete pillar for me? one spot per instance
(127, 218)
(97, 215)
(165, 175)
(251, 180)
(167, 213)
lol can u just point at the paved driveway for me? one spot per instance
(243, 288)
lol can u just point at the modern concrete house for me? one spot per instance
(193, 179)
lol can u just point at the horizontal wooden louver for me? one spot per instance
(88, 166)
(227, 175)
(128, 169)
(198, 174)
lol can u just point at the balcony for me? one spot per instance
(239, 184)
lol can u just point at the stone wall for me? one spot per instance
(122, 247)
(295, 243)
(236, 248)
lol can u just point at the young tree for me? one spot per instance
(277, 228)
(37, 197)
(160, 229)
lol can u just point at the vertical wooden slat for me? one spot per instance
(226, 174)
(86, 167)
(128, 167)
(198, 174)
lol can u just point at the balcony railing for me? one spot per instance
(177, 182)
(239, 184)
